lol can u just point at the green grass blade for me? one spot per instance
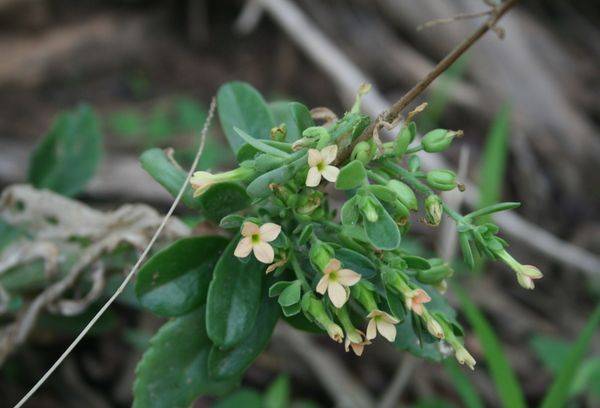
(507, 386)
(559, 391)
(463, 386)
(494, 160)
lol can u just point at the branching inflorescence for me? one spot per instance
(345, 272)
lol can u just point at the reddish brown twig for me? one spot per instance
(396, 109)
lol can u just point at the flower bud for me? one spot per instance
(433, 209)
(444, 180)
(316, 310)
(202, 180)
(438, 140)
(434, 275)
(404, 193)
(404, 139)
(368, 209)
(464, 357)
(363, 152)
(320, 254)
(433, 326)
(279, 133)
(364, 295)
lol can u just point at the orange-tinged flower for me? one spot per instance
(383, 323)
(256, 239)
(356, 341)
(414, 300)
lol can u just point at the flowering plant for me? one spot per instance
(291, 252)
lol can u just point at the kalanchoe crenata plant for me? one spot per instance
(293, 254)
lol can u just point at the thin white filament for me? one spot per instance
(131, 273)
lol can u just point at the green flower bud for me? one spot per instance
(279, 133)
(368, 209)
(414, 163)
(320, 254)
(315, 310)
(404, 139)
(444, 180)
(363, 152)
(393, 279)
(364, 295)
(438, 140)
(439, 271)
(433, 209)
(404, 193)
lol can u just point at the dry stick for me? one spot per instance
(348, 77)
(396, 110)
(131, 273)
(464, 16)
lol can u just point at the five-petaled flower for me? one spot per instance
(414, 300)
(320, 165)
(256, 239)
(357, 341)
(336, 281)
(383, 323)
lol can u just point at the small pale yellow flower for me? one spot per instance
(414, 300)
(320, 165)
(356, 341)
(336, 281)
(383, 323)
(526, 274)
(201, 181)
(464, 357)
(255, 239)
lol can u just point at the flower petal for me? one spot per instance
(313, 178)
(358, 348)
(332, 266)
(243, 248)
(389, 318)
(337, 294)
(269, 231)
(387, 330)
(314, 157)
(421, 296)
(322, 285)
(200, 178)
(331, 173)
(348, 277)
(249, 229)
(264, 252)
(371, 329)
(329, 153)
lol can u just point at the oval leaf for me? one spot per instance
(294, 115)
(351, 176)
(173, 371)
(223, 199)
(383, 233)
(233, 298)
(356, 262)
(69, 154)
(240, 105)
(175, 280)
(228, 364)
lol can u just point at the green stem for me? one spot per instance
(299, 273)
(377, 177)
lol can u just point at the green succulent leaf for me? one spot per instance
(351, 176)
(163, 170)
(240, 105)
(223, 199)
(259, 188)
(260, 145)
(383, 233)
(175, 280)
(68, 156)
(294, 115)
(290, 295)
(173, 371)
(233, 298)
(357, 262)
(229, 364)
(246, 398)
